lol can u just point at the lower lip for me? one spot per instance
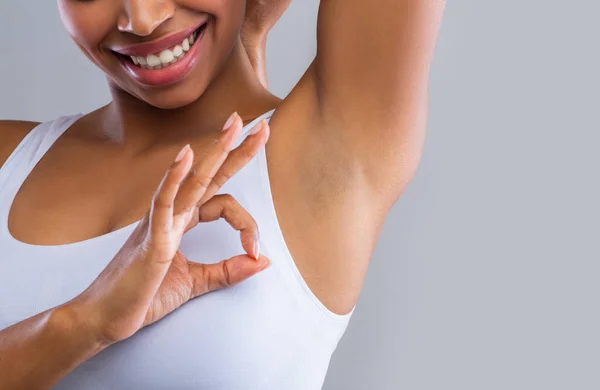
(170, 74)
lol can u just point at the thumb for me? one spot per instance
(227, 273)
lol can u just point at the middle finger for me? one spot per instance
(195, 185)
(238, 158)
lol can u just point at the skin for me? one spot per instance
(149, 277)
(260, 18)
(343, 146)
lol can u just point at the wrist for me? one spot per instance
(69, 322)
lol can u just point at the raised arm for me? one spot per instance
(370, 78)
(261, 16)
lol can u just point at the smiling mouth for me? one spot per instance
(167, 57)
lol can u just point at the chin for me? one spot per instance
(172, 99)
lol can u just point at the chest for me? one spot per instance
(62, 202)
(246, 336)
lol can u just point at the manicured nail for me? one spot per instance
(259, 126)
(256, 249)
(230, 121)
(182, 153)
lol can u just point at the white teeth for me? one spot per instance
(166, 56)
(153, 60)
(177, 51)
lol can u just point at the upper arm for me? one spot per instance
(11, 134)
(371, 74)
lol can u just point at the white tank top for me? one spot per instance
(269, 332)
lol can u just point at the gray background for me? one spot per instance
(486, 273)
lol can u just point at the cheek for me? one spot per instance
(229, 13)
(87, 23)
(229, 16)
(213, 5)
(235, 11)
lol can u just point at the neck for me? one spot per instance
(237, 88)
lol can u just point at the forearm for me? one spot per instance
(261, 16)
(256, 47)
(371, 72)
(374, 57)
(37, 352)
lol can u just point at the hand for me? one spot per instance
(149, 277)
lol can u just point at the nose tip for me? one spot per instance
(142, 17)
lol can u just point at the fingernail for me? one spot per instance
(256, 249)
(258, 126)
(268, 263)
(182, 153)
(230, 121)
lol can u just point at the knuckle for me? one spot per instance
(201, 181)
(232, 217)
(200, 280)
(161, 203)
(226, 274)
(201, 215)
(222, 147)
(188, 211)
(247, 153)
(160, 231)
(228, 199)
(253, 226)
(222, 178)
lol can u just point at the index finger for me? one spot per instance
(195, 185)
(238, 158)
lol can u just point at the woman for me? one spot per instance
(93, 284)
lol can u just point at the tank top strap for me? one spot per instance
(38, 141)
(267, 116)
(246, 130)
(33, 147)
(26, 155)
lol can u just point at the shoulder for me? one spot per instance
(377, 150)
(11, 134)
(338, 171)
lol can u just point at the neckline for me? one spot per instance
(103, 237)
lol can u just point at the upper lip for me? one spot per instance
(158, 45)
